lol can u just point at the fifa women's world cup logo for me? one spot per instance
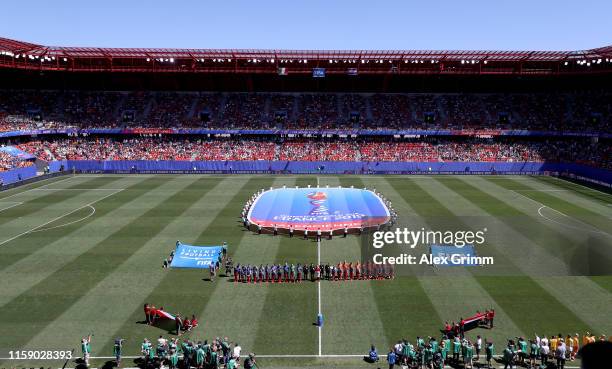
(318, 201)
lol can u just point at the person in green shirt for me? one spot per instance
(144, 349)
(186, 348)
(206, 348)
(405, 352)
(447, 348)
(434, 344)
(509, 353)
(412, 352)
(225, 349)
(438, 361)
(117, 347)
(86, 349)
(522, 346)
(200, 354)
(214, 362)
(173, 359)
(420, 342)
(534, 352)
(231, 364)
(456, 350)
(151, 353)
(469, 355)
(428, 354)
(490, 352)
(443, 352)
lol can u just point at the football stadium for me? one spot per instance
(288, 208)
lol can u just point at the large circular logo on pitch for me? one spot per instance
(318, 208)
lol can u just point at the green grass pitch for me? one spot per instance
(82, 255)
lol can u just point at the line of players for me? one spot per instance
(289, 272)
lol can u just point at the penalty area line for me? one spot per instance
(11, 206)
(93, 211)
(587, 227)
(58, 218)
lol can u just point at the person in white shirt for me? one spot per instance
(237, 350)
(544, 352)
(560, 355)
(544, 341)
(398, 348)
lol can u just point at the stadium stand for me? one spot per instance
(577, 112)
(441, 150)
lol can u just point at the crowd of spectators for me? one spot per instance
(579, 111)
(149, 149)
(390, 111)
(244, 110)
(440, 150)
(170, 110)
(8, 162)
(317, 110)
(308, 150)
(89, 109)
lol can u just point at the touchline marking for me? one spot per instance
(266, 356)
(263, 356)
(37, 188)
(77, 189)
(446, 366)
(319, 290)
(54, 219)
(319, 328)
(581, 186)
(538, 190)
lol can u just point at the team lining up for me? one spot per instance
(290, 272)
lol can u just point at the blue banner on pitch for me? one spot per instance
(189, 256)
(449, 255)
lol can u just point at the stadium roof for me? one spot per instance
(24, 55)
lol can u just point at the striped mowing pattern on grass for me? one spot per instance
(92, 274)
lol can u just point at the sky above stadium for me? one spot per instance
(314, 24)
